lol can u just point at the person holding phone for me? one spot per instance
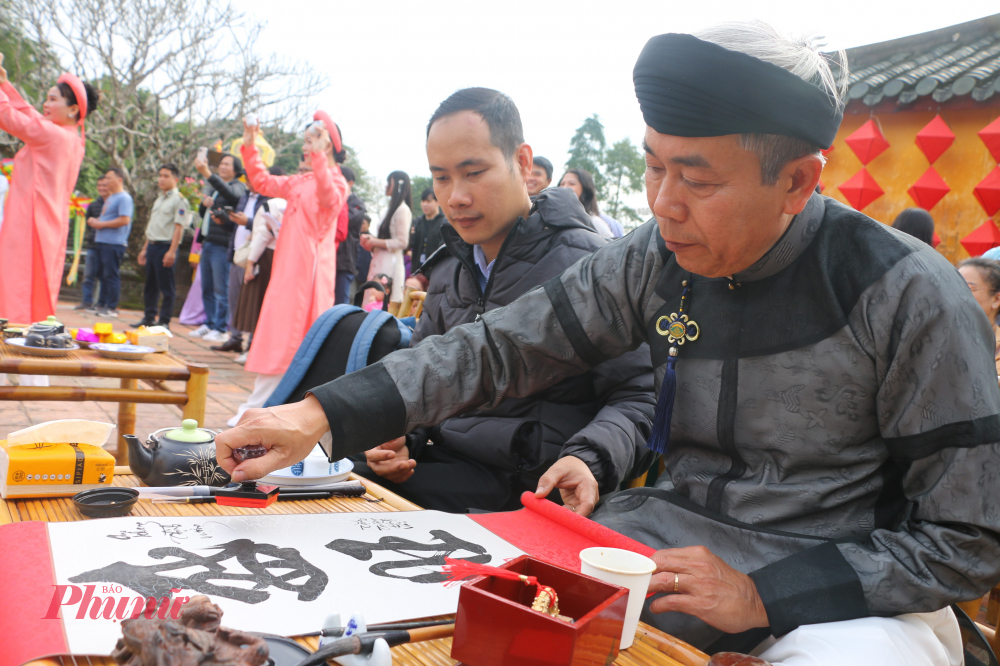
(304, 268)
(216, 230)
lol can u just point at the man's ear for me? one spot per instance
(800, 177)
(524, 160)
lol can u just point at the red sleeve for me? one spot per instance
(331, 188)
(31, 127)
(342, 224)
(263, 182)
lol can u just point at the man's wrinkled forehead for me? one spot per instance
(715, 152)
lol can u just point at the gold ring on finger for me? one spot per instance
(677, 583)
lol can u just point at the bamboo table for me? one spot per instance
(651, 647)
(152, 370)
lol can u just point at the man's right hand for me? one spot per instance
(288, 432)
(141, 258)
(392, 461)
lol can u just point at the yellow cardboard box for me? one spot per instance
(53, 470)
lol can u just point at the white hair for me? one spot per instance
(801, 57)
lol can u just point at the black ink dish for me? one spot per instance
(283, 651)
(106, 502)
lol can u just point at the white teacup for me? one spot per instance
(625, 569)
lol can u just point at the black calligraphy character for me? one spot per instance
(147, 581)
(446, 546)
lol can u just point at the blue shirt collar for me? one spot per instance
(485, 268)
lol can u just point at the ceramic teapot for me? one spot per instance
(182, 456)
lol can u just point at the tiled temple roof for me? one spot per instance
(959, 64)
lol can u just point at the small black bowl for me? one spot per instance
(106, 502)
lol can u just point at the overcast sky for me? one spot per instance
(390, 63)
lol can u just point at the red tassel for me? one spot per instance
(460, 570)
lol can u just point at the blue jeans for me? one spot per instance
(90, 266)
(343, 288)
(109, 260)
(215, 285)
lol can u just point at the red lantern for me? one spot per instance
(985, 237)
(867, 142)
(935, 138)
(927, 191)
(991, 137)
(861, 189)
(987, 192)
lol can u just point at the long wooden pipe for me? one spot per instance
(363, 643)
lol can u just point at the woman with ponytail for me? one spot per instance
(393, 237)
(36, 214)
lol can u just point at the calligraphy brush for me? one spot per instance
(339, 631)
(363, 643)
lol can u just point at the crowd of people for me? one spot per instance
(819, 388)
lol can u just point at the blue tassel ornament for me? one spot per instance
(659, 439)
(677, 328)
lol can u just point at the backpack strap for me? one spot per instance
(307, 351)
(362, 345)
(405, 332)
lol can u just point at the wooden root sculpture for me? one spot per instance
(195, 638)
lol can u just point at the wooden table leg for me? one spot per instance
(126, 422)
(197, 392)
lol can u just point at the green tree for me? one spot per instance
(419, 184)
(624, 169)
(586, 151)
(618, 171)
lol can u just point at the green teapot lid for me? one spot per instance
(189, 432)
(51, 319)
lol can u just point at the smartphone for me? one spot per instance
(203, 153)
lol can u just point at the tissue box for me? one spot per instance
(496, 626)
(53, 470)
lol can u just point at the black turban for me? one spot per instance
(689, 87)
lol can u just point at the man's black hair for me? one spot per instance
(428, 193)
(276, 171)
(117, 171)
(545, 164)
(172, 168)
(496, 109)
(348, 174)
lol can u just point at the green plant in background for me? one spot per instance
(618, 171)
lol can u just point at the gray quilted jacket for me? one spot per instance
(836, 424)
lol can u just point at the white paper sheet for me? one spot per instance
(278, 574)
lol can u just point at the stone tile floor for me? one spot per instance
(228, 385)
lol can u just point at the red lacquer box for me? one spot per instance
(496, 626)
